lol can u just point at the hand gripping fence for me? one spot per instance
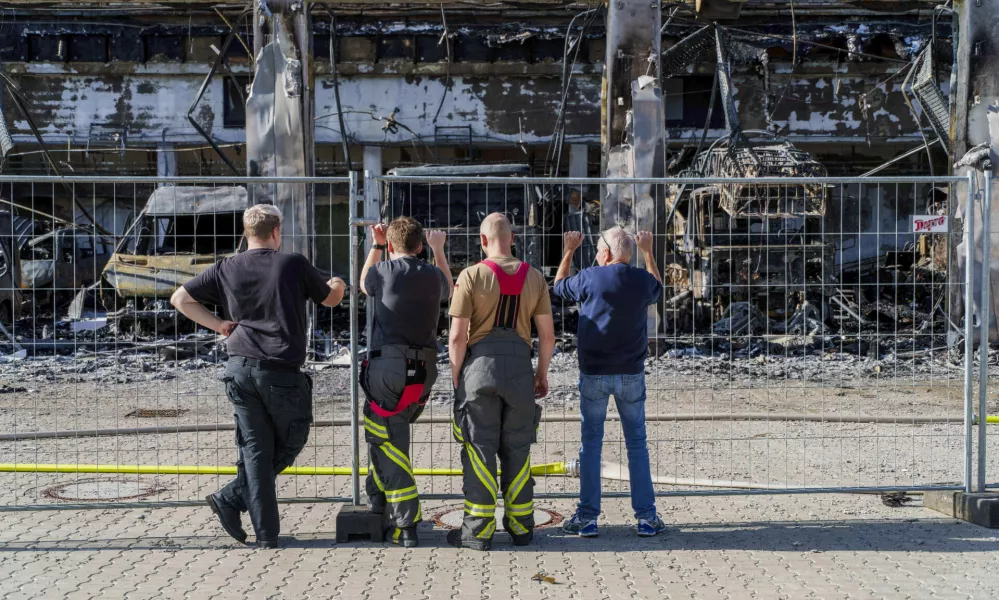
(813, 335)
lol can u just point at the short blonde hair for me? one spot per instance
(261, 220)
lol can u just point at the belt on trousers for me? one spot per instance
(421, 353)
(266, 365)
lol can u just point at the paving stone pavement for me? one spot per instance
(816, 546)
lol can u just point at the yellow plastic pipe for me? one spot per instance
(546, 469)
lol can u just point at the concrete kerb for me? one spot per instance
(977, 508)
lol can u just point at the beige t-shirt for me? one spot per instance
(477, 297)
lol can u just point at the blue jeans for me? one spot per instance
(629, 394)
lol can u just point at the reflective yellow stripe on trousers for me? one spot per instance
(518, 510)
(481, 471)
(375, 429)
(480, 510)
(397, 456)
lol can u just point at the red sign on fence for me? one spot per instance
(929, 224)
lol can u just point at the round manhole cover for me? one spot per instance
(450, 517)
(104, 490)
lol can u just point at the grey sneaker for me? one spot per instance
(580, 527)
(651, 527)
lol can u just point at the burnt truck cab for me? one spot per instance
(180, 233)
(56, 265)
(459, 209)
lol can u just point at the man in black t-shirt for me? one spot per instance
(263, 294)
(401, 368)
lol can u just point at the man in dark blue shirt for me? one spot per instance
(612, 342)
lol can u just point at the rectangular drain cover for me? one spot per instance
(148, 413)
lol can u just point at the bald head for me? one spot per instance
(496, 236)
(496, 228)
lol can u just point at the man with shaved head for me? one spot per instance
(496, 385)
(613, 342)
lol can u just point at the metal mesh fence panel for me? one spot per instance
(809, 336)
(109, 397)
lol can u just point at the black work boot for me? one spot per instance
(228, 517)
(269, 544)
(523, 539)
(454, 538)
(403, 536)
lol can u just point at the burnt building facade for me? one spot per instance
(126, 90)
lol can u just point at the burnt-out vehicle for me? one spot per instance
(459, 208)
(13, 234)
(180, 233)
(58, 264)
(760, 243)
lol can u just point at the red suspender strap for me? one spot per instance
(510, 285)
(510, 288)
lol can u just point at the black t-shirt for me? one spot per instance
(264, 291)
(407, 294)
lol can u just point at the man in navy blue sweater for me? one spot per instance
(613, 343)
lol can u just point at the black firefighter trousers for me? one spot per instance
(273, 412)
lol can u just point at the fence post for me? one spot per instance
(355, 481)
(983, 343)
(969, 326)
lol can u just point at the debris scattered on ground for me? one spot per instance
(896, 499)
(742, 318)
(542, 577)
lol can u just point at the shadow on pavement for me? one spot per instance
(906, 535)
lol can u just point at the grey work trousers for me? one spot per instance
(273, 412)
(391, 485)
(495, 414)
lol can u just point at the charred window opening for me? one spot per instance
(882, 45)
(164, 48)
(207, 234)
(695, 96)
(472, 49)
(175, 235)
(218, 234)
(234, 92)
(320, 47)
(88, 48)
(127, 47)
(80, 245)
(236, 53)
(512, 52)
(428, 50)
(838, 52)
(549, 50)
(14, 48)
(395, 47)
(47, 48)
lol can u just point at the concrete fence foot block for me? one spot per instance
(357, 522)
(978, 508)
